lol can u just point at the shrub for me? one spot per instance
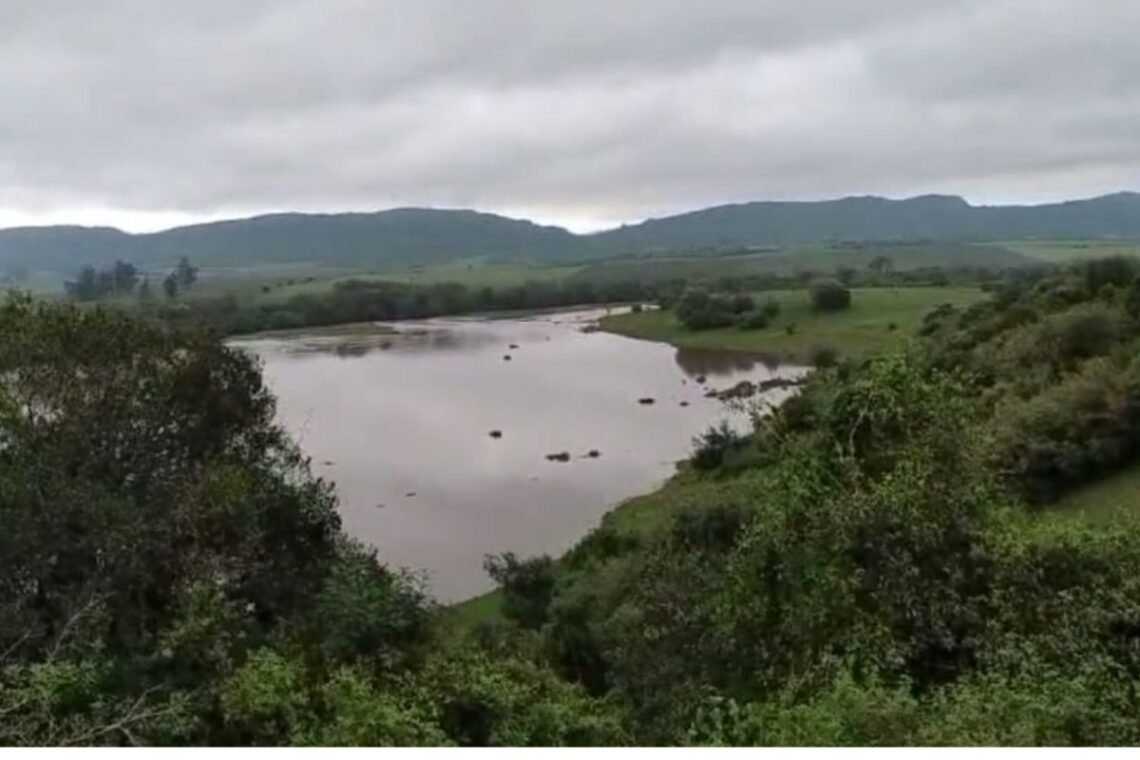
(1081, 428)
(755, 320)
(742, 303)
(830, 295)
(711, 447)
(1118, 271)
(823, 357)
(699, 310)
(771, 308)
(527, 586)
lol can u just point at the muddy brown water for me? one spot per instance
(400, 418)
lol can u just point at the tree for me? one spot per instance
(186, 274)
(829, 295)
(124, 277)
(160, 528)
(93, 284)
(527, 586)
(86, 286)
(882, 265)
(170, 285)
(144, 291)
(698, 309)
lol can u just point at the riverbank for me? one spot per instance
(879, 320)
(640, 516)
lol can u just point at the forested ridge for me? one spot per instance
(878, 563)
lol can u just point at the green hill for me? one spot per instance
(400, 237)
(929, 217)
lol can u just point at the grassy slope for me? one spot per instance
(1104, 499)
(862, 330)
(789, 261)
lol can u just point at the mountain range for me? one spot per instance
(424, 236)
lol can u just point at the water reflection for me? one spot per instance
(696, 362)
(367, 339)
(428, 420)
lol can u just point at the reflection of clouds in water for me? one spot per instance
(416, 417)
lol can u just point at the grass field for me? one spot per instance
(862, 330)
(1105, 499)
(820, 259)
(1063, 251)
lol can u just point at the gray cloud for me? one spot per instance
(586, 110)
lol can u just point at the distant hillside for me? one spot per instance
(929, 217)
(399, 236)
(403, 236)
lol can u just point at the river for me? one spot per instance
(401, 418)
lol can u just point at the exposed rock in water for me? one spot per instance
(700, 379)
(591, 329)
(562, 456)
(410, 494)
(747, 389)
(496, 433)
(779, 382)
(506, 357)
(743, 389)
(593, 453)
(380, 506)
(684, 403)
(328, 463)
(513, 346)
(647, 400)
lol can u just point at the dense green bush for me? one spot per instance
(527, 587)
(698, 309)
(830, 295)
(824, 357)
(712, 446)
(1080, 428)
(755, 320)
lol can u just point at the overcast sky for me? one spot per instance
(148, 113)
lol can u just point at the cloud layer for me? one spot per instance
(591, 111)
